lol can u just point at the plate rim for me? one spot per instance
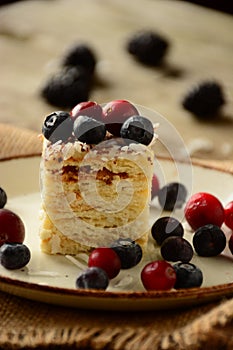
(197, 293)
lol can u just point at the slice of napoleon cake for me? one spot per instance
(96, 173)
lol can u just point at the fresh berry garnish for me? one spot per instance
(115, 114)
(57, 126)
(172, 196)
(80, 55)
(176, 249)
(92, 278)
(12, 228)
(89, 109)
(148, 47)
(107, 259)
(3, 198)
(137, 129)
(165, 227)
(204, 208)
(14, 255)
(67, 87)
(204, 100)
(209, 240)
(230, 243)
(89, 130)
(187, 275)
(158, 275)
(229, 215)
(129, 252)
(155, 186)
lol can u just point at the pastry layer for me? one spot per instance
(94, 195)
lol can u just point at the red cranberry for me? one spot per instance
(106, 259)
(158, 275)
(89, 109)
(155, 186)
(115, 114)
(12, 229)
(202, 209)
(229, 215)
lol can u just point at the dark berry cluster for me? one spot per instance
(105, 263)
(73, 83)
(88, 122)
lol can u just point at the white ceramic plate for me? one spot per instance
(51, 279)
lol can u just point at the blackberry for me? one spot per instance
(67, 88)
(80, 55)
(204, 100)
(148, 47)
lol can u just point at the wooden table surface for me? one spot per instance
(35, 34)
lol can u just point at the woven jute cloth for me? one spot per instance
(26, 324)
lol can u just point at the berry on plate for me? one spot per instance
(176, 249)
(230, 243)
(92, 278)
(3, 198)
(204, 208)
(165, 227)
(229, 215)
(14, 255)
(107, 259)
(209, 240)
(129, 252)
(187, 275)
(158, 275)
(12, 228)
(115, 114)
(172, 195)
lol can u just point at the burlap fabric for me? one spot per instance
(25, 324)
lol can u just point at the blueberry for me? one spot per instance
(172, 195)
(14, 255)
(176, 249)
(187, 275)
(80, 55)
(204, 100)
(165, 227)
(89, 130)
(67, 87)
(137, 128)
(209, 240)
(129, 252)
(57, 126)
(3, 198)
(92, 278)
(148, 47)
